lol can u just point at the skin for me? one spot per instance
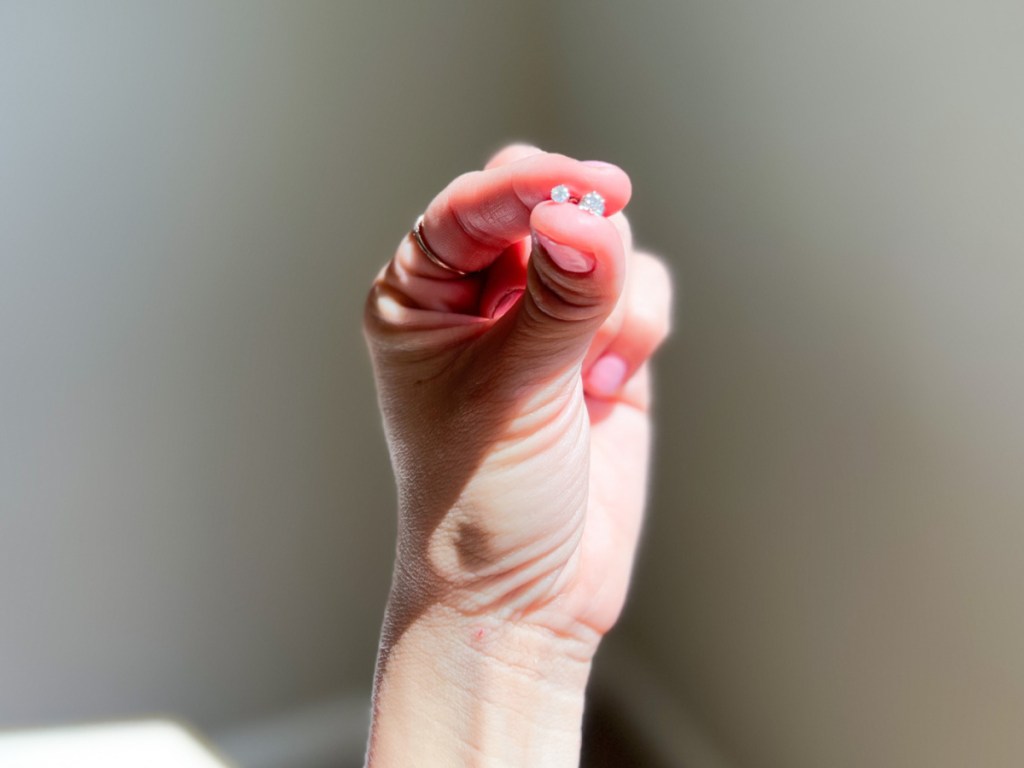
(516, 404)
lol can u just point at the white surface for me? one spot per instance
(153, 743)
(326, 733)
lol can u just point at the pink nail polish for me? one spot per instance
(567, 257)
(598, 164)
(607, 375)
(505, 302)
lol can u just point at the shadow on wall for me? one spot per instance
(197, 507)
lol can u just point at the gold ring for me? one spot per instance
(417, 235)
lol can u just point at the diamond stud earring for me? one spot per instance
(593, 203)
(560, 194)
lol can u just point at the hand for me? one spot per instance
(515, 402)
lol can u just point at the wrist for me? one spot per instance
(488, 689)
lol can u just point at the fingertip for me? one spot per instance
(506, 302)
(539, 174)
(598, 164)
(571, 225)
(585, 244)
(617, 179)
(607, 375)
(511, 153)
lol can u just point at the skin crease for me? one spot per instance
(516, 408)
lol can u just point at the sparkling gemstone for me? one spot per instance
(560, 194)
(593, 203)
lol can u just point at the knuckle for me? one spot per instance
(656, 277)
(656, 326)
(477, 223)
(374, 323)
(563, 300)
(652, 315)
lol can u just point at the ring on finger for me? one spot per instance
(417, 235)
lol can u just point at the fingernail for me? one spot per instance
(506, 302)
(567, 257)
(599, 164)
(607, 375)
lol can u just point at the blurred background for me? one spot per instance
(196, 508)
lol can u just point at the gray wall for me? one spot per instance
(195, 506)
(835, 556)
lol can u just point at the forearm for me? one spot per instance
(453, 691)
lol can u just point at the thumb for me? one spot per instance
(575, 275)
